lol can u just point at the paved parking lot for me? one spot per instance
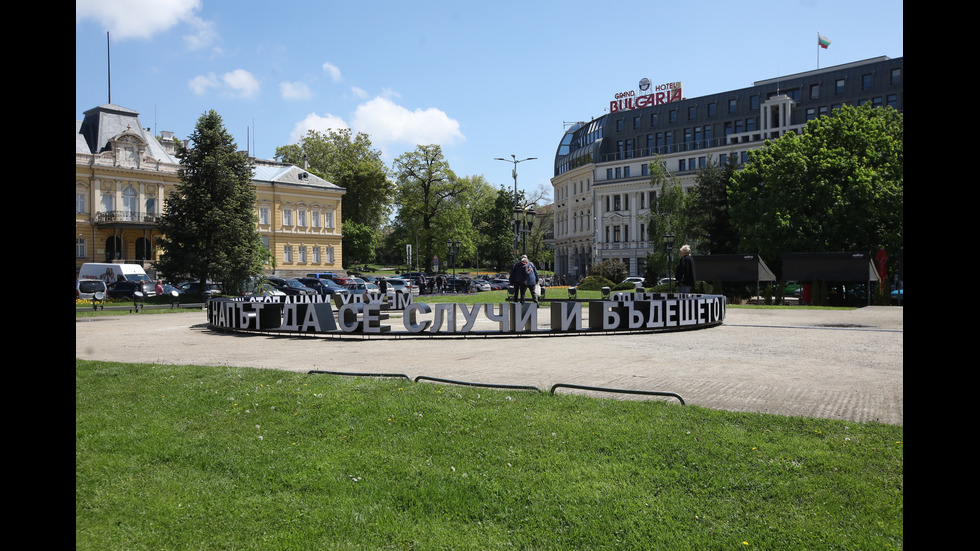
(841, 364)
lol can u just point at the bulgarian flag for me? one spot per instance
(823, 41)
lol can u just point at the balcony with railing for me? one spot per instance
(127, 218)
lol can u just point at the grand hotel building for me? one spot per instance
(602, 186)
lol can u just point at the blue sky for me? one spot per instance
(481, 79)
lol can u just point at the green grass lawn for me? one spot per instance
(187, 457)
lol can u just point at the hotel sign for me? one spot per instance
(650, 94)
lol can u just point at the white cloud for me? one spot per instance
(332, 70)
(358, 92)
(387, 122)
(295, 90)
(204, 34)
(237, 83)
(129, 19)
(242, 83)
(202, 83)
(316, 122)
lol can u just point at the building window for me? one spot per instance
(681, 165)
(302, 254)
(636, 123)
(329, 258)
(619, 125)
(814, 91)
(896, 76)
(712, 109)
(839, 86)
(810, 114)
(891, 100)
(328, 219)
(732, 105)
(609, 174)
(673, 115)
(644, 169)
(80, 248)
(654, 119)
(301, 218)
(692, 113)
(316, 218)
(626, 171)
(866, 82)
(754, 101)
(287, 217)
(80, 203)
(619, 172)
(151, 206)
(264, 216)
(130, 209)
(287, 254)
(316, 255)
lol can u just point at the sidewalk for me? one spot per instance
(841, 364)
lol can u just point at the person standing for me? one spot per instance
(523, 276)
(158, 288)
(686, 275)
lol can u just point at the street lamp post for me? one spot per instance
(453, 247)
(523, 221)
(669, 246)
(514, 160)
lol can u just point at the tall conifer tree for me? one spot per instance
(209, 225)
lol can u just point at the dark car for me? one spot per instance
(193, 289)
(290, 286)
(323, 286)
(125, 289)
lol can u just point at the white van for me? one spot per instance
(110, 273)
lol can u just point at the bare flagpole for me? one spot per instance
(108, 65)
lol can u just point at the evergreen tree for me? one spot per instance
(209, 224)
(709, 210)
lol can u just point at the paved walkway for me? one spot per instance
(816, 363)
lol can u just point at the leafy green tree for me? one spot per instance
(668, 214)
(836, 187)
(429, 200)
(209, 224)
(612, 269)
(352, 163)
(493, 226)
(709, 211)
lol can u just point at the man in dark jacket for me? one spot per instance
(685, 271)
(524, 276)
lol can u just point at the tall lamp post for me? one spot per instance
(669, 246)
(453, 248)
(514, 160)
(523, 220)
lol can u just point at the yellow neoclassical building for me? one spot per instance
(123, 176)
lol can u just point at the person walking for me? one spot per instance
(686, 275)
(524, 276)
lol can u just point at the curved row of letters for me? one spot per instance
(622, 312)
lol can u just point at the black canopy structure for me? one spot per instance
(733, 267)
(830, 267)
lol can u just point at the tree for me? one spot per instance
(209, 225)
(428, 194)
(709, 211)
(351, 163)
(836, 187)
(668, 214)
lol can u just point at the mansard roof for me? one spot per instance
(102, 124)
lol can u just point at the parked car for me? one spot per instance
(481, 285)
(260, 288)
(290, 286)
(636, 279)
(126, 289)
(499, 284)
(456, 285)
(396, 284)
(363, 288)
(898, 296)
(323, 286)
(193, 288)
(85, 289)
